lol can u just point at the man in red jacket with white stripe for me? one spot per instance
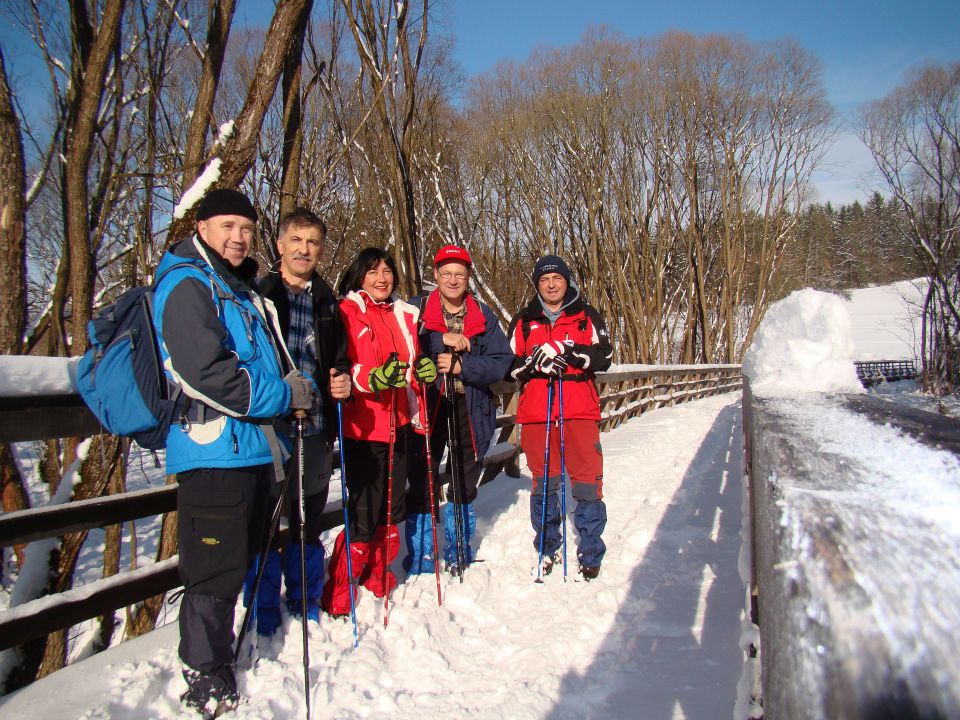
(559, 337)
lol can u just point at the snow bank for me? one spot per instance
(27, 375)
(804, 345)
(207, 178)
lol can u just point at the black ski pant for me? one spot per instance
(368, 464)
(418, 495)
(222, 515)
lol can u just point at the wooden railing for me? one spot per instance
(626, 391)
(847, 585)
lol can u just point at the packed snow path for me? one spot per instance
(656, 636)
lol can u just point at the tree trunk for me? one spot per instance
(143, 617)
(293, 114)
(12, 493)
(111, 548)
(13, 259)
(95, 473)
(238, 153)
(220, 18)
(89, 72)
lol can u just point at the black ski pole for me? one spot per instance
(303, 562)
(546, 477)
(345, 501)
(262, 561)
(434, 515)
(456, 471)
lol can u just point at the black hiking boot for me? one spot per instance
(589, 572)
(454, 569)
(210, 694)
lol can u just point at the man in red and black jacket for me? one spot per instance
(558, 338)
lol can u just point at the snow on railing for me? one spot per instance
(853, 543)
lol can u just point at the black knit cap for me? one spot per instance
(225, 202)
(550, 264)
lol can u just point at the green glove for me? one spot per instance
(393, 373)
(424, 370)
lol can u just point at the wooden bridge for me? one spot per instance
(871, 372)
(626, 392)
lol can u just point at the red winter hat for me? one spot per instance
(452, 252)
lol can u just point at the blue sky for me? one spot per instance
(865, 46)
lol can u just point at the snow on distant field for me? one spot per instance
(886, 321)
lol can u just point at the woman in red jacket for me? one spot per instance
(382, 345)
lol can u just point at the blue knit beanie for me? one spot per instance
(550, 264)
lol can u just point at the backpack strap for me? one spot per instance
(276, 449)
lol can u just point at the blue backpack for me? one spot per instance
(121, 376)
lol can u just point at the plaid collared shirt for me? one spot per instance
(303, 347)
(454, 323)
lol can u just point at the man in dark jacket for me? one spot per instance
(462, 336)
(217, 343)
(312, 330)
(560, 343)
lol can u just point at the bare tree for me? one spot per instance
(220, 14)
(382, 31)
(669, 172)
(914, 136)
(236, 155)
(95, 47)
(13, 273)
(293, 114)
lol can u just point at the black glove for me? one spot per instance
(393, 373)
(301, 390)
(577, 360)
(524, 372)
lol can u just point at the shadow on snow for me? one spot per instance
(655, 664)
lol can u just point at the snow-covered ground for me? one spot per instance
(659, 629)
(658, 635)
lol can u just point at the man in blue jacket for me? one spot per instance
(218, 343)
(462, 336)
